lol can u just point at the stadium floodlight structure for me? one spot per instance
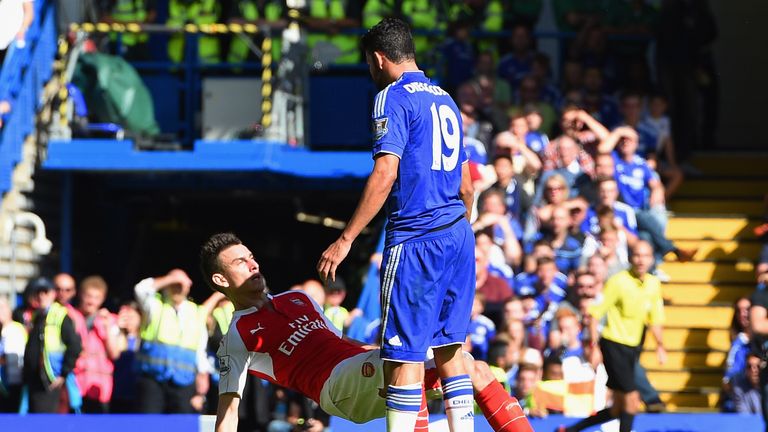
(40, 244)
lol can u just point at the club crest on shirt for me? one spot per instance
(298, 302)
(224, 365)
(368, 370)
(380, 128)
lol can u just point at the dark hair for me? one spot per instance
(492, 191)
(209, 255)
(527, 367)
(37, 285)
(736, 326)
(540, 261)
(497, 349)
(391, 37)
(555, 357)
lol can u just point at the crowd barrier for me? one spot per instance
(713, 422)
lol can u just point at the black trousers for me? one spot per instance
(42, 400)
(93, 406)
(10, 403)
(164, 397)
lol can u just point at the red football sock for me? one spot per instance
(422, 421)
(502, 411)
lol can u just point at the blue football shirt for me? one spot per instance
(419, 123)
(633, 179)
(621, 211)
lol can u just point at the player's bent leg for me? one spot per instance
(457, 388)
(502, 411)
(404, 394)
(352, 390)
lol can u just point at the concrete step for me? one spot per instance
(677, 360)
(747, 207)
(731, 188)
(678, 401)
(681, 380)
(704, 294)
(704, 317)
(709, 272)
(688, 338)
(715, 228)
(712, 250)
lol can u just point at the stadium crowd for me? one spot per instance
(569, 176)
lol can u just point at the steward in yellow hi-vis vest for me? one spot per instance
(327, 19)
(128, 12)
(198, 12)
(171, 360)
(51, 352)
(253, 11)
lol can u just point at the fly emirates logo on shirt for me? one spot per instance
(303, 327)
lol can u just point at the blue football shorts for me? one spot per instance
(427, 290)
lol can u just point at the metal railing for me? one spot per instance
(24, 73)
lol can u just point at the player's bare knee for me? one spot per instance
(481, 375)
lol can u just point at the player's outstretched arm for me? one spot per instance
(375, 194)
(226, 414)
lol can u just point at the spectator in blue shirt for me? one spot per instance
(458, 55)
(608, 194)
(518, 125)
(640, 188)
(746, 387)
(506, 180)
(518, 63)
(541, 294)
(567, 339)
(736, 361)
(481, 329)
(570, 164)
(654, 135)
(506, 229)
(665, 162)
(517, 166)
(567, 249)
(497, 265)
(535, 121)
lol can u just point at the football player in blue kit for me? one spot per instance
(421, 178)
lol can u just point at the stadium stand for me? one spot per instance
(717, 211)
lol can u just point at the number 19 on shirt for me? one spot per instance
(445, 128)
